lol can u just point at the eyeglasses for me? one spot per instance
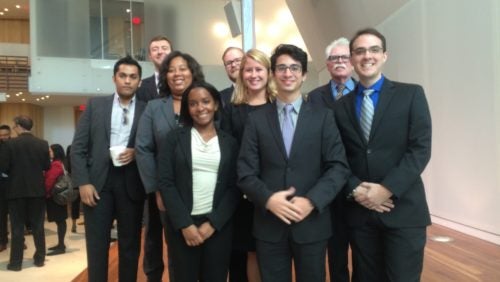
(235, 61)
(125, 116)
(293, 68)
(343, 58)
(371, 50)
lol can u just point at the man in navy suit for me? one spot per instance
(341, 83)
(291, 166)
(231, 58)
(159, 48)
(111, 190)
(386, 129)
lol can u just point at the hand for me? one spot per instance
(159, 202)
(280, 206)
(206, 230)
(304, 205)
(89, 195)
(127, 156)
(192, 236)
(386, 206)
(373, 196)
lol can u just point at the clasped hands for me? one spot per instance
(373, 196)
(195, 236)
(289, 210)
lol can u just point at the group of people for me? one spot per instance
(30, 169)
(241, 183)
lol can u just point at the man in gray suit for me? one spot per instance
(24, 159)
(291, 166)
(111, 190)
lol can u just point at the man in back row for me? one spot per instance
(231, 58)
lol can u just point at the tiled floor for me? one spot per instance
(60, 268)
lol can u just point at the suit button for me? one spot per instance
(369, 151)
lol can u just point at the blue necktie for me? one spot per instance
(366, 115)
(287, 128)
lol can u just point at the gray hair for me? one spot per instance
(342, 41)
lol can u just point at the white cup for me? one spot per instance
(115, 152)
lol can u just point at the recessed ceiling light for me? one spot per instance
(23, 99)
(18, 6)
(38, 99)
(47, 96)
(1, 14)
(6, 9)
(8, 96)
(43, 98)
(128, 10)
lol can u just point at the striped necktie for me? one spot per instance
(340, 91)
(366, 115)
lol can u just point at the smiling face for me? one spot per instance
(232, 61)
(158, 50)
(288, 76)
(368, 58)
(202, 107)
(338, 64)
(254, 75)
(127, 80)
(179, 76)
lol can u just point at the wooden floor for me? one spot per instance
(465, 259)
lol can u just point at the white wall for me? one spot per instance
(452, 48)
(59, 125)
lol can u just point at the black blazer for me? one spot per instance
(147, 91)
(317, 168)
(226, 95)
(175, 177)
(323, 95)
(24, 159)
(397, 153)
(90, 158)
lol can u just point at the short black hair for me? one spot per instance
(24, 121)
(5, 127)
(291, 50)
(185, 118)
(127, 61)
(193, 66)
(58, 152)
(371, 31)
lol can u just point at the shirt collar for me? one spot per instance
(377, 86)
(296, 104)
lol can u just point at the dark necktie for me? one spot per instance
(366, 115)
(340, 91)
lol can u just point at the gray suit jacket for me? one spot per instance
(317, 168)
(157, 120)
(90, 158)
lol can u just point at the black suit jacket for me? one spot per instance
(175, 173)
(90, 159)
(317, 168)
(396, 154)
(323, 95)
(226, 95)
(24, 159)
(147, 91)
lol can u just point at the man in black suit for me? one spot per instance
(159, 48)
(24, 159)
(111, 190)
(4, 239)
(341, 83)
(291, 166)
(386, 129)
(231, 58)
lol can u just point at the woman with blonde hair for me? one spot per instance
(254, 88)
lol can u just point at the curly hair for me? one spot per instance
(193, 65)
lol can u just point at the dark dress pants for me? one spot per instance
(153, 244)
(338, 245)
(114, 204)
(22, 211)
(208, 262)
(4, 208)
(275, 260)
(383, 254)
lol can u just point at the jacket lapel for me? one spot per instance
(300, 127)
(274, 125)
(350, 108)
(385, 96)
(108, 111)
(328, 95)
(185, 144)
(167, 110)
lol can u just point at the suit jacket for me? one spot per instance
(323, 95)
(147, 91)
(226, 94)
(157, 120)
(398, 150)
(90, 159)
(24, 159)
(176, 179)
(317, 168)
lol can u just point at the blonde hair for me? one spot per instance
(240, 95)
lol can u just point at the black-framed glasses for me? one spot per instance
(342, 58)
(372, 50)
(235, 61)
(293, 68)
(124, 116)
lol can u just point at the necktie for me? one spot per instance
(287, 128)
(125, 116)
(366, 115)
(340, 91)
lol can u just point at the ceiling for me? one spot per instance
(14, 13)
